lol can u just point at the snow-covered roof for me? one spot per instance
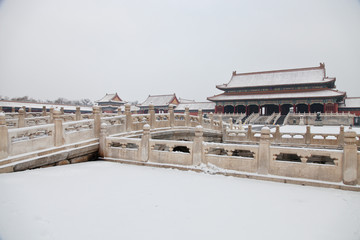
(279, 77)
(194, 106)
(286, 95)
(40, 105)
(351, 102)
(112, 97)
(182, 100)
(159, 100)
(132, 108)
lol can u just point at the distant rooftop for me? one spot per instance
(112, 97)
(194, 106)
(351, 102)
(160, 100)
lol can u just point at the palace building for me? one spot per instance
(110, 102)
(161, 103)
(300, 90)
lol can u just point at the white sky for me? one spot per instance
(86, 48)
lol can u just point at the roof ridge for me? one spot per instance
(162, 95)
(322, 66)
(195, 102)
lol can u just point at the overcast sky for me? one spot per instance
(86, 48)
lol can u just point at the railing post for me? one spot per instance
(264, 151)
(13, 109)
(128, 118)
(197, 149)
(51, 115)
(4, 137)
(308, 135)
(171, 116)
(62, 110)
(77, 113)
(231, 124)
(152, 116)
(21, 118)
(145, 144)
(119, 111)
(350, 161)
(102, 140)
(341, 136)
(187, 116)
(277, 135)
(212, 120)
(44, 111)
(249, 133)
(200, 115)
(23, 107)
(58, 129)
(97, 121)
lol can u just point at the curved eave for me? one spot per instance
(269, 97)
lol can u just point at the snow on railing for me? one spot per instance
(306, 163)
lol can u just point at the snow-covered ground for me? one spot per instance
(103, 200)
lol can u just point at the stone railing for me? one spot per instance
(262, 158)
(249, 118)
(329, 140)
(115, 124)
(276, 118)
(135, 122)
(271, 117)
(14, 141)
(28, 139)
(286, 119)
(253, 118)
(34, 133)
(78, 131)
(27, 119)
(327, 118)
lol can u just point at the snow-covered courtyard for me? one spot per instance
(103, 200)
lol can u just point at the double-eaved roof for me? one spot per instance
(299, 83)
(279, 95)
(298, 76)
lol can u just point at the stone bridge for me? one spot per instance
(180, 141)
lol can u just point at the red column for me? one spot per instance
(294, 106)
(280, 108)
(309, 109)
(336, 107)
(259, 110)
(324, 107)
